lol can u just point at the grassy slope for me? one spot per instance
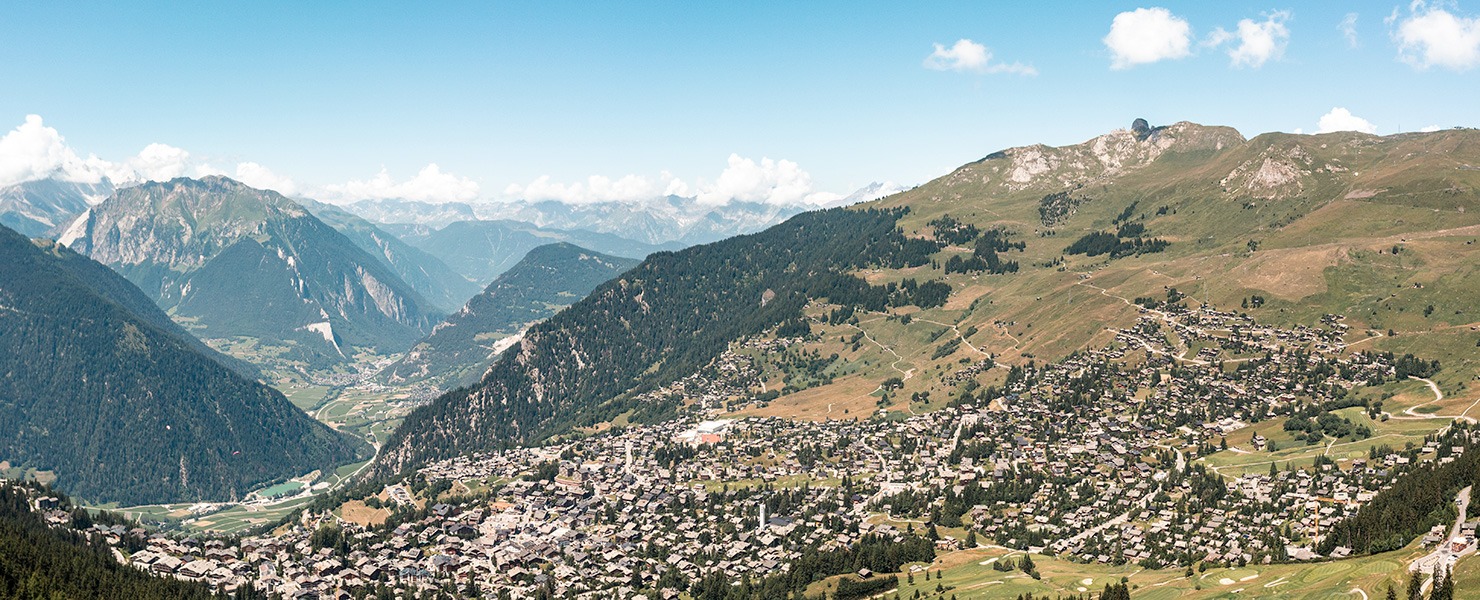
(1325, 240)
(1324, 246)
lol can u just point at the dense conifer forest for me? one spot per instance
(123, 410)
(42, 563)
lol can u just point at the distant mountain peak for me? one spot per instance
(239, 261)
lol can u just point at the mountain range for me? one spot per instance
(443, 287)
(104, 390)
(670, 221)
(233, 261)
(37, 207)
(1297, 222)
(547, 279)
(481, 250)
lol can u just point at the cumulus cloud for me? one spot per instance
(431, 184)
(1341, 119)
(770, 181)
(35, 151)
(968, 56)
(157, 162)
(674, 186)
(596, 188)
(1258, 42)
(1348, 28)
(1147, 35)
(261, 177)
(767, 180)
(1434, 37)
(1431, 129)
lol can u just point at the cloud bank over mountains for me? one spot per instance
(34, 151)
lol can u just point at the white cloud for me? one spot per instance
(1341, 119)
(431, 184)
(769, 181)
(1348, 28)
(968, 56)
(1258, 42)
(674, 186)
(1431, 129)
(1431, 36)
(1147, 35)
(262, 178)
(596, 188)
(766, 180)
(34, 151)
(156, 162)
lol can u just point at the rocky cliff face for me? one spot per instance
(237, 261)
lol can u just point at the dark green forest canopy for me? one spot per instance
(661, 320)
(126, 408)
(37, 561)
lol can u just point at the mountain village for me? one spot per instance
(1123, 477)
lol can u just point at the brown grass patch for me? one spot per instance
(852, 393)
(962, 298)
(1289, 273)
(355, 511)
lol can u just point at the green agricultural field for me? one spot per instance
(968, 574)
(241, 518)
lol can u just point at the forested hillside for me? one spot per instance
(38, 562)
(659, 321)
(548, 279)
(124, 407)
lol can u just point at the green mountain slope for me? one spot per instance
(425, 273)
(662, 320)
(1031, 254)
(233, 261)
(548, 279)
(123, 406)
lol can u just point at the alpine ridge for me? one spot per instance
(233, 261)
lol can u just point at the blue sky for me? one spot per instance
(495, 94)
